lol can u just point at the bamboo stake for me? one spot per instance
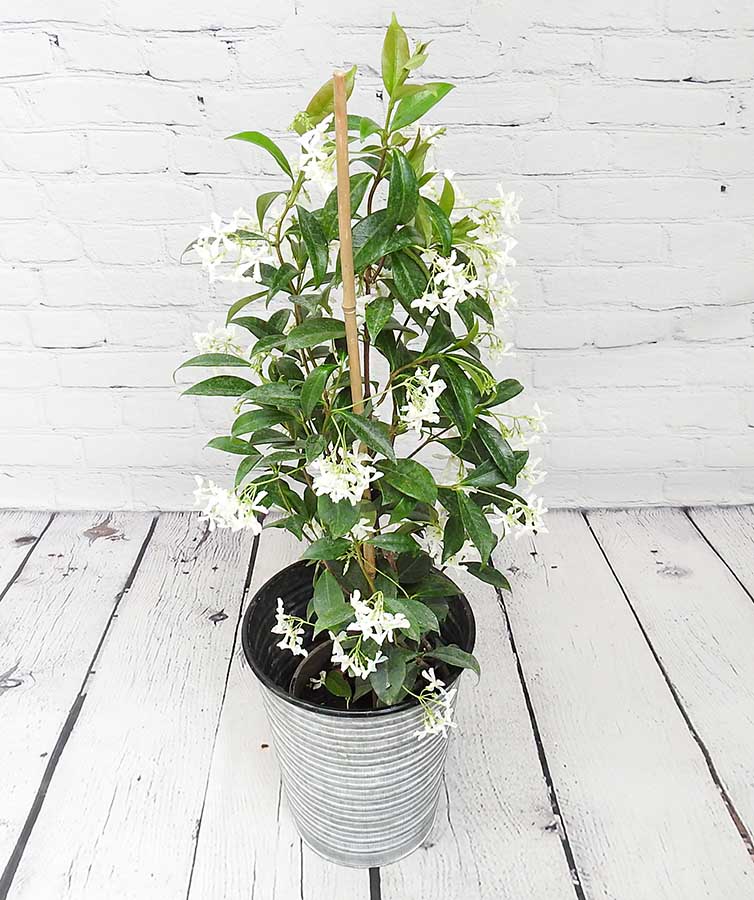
(346, 264)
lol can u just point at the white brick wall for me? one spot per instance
(627, 127)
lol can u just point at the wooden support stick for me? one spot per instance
(346, 266)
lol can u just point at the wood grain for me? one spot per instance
(248, 845)
(495, 835)
(19, 531)
(730, 530)
(700, 623)
(120, 818)
(51, 622)
(644, 819)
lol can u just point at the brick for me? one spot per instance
(14, 113)
(195, 57)
(150, 409)
(67, 328)
(684, 105)
(622, 243)
(14, 329)
(654, 152)
(112, 152)
(147, 328)
(92, 490)
(108, 200)
(82, 409)
(702, 486)
(49, 152)
(21, 198)
(724, 154)
(38, 242)
(587, 14)
(495, 103)
(648, 58)
(640, 198)
(39, 450)
(195, 15)
(98, 51)
(122, 244)
(724, 58)
(133, 449)
(543, 244)
(560, 52)
(124, 287)
(562, 153)
(622, 489)
(377, 13)
(712, 323)
(194, 153)
(27, 488)
(116, 369)
(706, 16)
(86, 11)
(488, 151)
(24, 53)
(633, 367)
(21, 287)
(711, 244)
(625, 452)
(619, 328)
(19, 410)
(551, 331)
(729, 451)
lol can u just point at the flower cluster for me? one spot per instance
(217, 339)
(422, 392)
(523, 517)
(453, 283)
(292, 629)
(317, 160)
(373, 621)
(437, 706)
(235, 244)
(352, 657)
(343, 474)
(432, 541)
(227, 509)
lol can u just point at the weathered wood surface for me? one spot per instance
(495, 835)
(643, 817)
(700, 622)
(19, 532)
(248, 845)
(52, 619)
(120, 817)
(730, 530)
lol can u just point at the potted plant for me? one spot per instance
(340, 401)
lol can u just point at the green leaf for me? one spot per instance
(329, 215)
(505, 391)
(454, 656)
(370, 432)
(476, 525)
(463, 393)
(274, 394)
(261, 140)
(388, 679)
(315, 241)
(411, 478)
(278, 320)
(337, 685)
(440, 224)
(248, 422)
(409, 277)
(488, 575)
(370, 238)
(447, 198)
(378, 313)
(322, 102)
(329, 604)
(240, 304)
(395, 542)
(245, 466)
(314, 387)
(499, 449)
(314, 446)
(231, 445)
(414, 107)
(420, 616)
(339, 517)
(264, 202)
(326, 548)
(313, 331)
(281, 279)
(214, 359)
(220, 386)
(435, 585)
(404, 191)
(395, 55)
(453, 537)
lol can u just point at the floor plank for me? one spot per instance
(120, 817)
(51, 622)
(730, 530)
(19, 532)
(700, 623)
(248, 845)
(643, 817)
(495, 835)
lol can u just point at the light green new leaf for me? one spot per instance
(414, 107)
(313, 331)
(261, 140)
(322, 102)
(395, 55)
(264, 202)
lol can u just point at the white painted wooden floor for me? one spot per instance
(607, 753)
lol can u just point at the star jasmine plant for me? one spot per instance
(386, 523)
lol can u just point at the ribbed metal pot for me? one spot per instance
(363, 789)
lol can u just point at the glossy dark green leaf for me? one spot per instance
(261, 140)
(370, 432)
(395, 542)
(337, 685)
(421, 617)
(248, 464)
(326, 548)
(315, 241)
(463, 393)
(395, 55)
(313, 331)
(404, 191)
(505, 390)
(329, 603)
(251, 421)
(274, 394)
(231, 445)
(281, 280)
(454, 656)
(329, 215)
(388, 680)
(214, 360)
(370, 238)
(411, 478)
(441, 226)
(476, 525)
(454, 536)
(220, 386)
(417, 104)
(409, 277)
(314, 446)
(314, 387)
(488, 575)
(240, 304)
(378, 312)
(339, 517)
(499, 449)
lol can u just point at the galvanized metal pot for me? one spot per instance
(363, 789)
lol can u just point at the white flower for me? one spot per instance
(531, 473)
(522, 518)
(453, 283)
(373, 621)
(319, 681)
(437, 707)
(291, 627)
(434, 681)
(221, 243)
(422, 392)
(343, 474)
(317, 160)
(354, 661)
(497, 348)
(226, 509)
(217, 339)
(432, 541)
(361, 530)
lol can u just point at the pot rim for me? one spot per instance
(267, 682)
